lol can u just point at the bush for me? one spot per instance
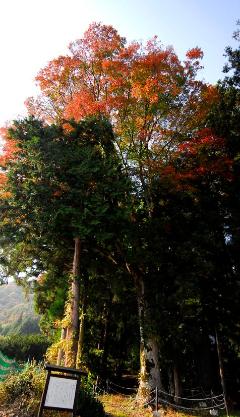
(88, 405)
(23, 391)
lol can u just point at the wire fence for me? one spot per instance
(211, 404)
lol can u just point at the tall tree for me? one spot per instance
(65, 185)
(153, 101)
(224, 120)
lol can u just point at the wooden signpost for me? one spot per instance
(61, 389)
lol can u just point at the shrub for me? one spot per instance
(24, 388)
(23, 391)
(88, 405)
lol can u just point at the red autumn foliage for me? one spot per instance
(202, 158)
(150, 97)
(132, 84)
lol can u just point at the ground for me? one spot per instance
(115, 406)
(122, 406)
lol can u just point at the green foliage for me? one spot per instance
(29, 381)
(24, 348)
(25, 388)
(88, 406)
(224, 120)
(171, 238)
(70, 182)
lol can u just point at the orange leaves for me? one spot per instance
(192, 64)
(210, 95)
(194, 53)
(129, 53)
(10, 148)
(82, 105)
(103, 74)
(99, 41)
(4, 193)
(142, 89)
(67, 127)
(3, 181)
(156, 73)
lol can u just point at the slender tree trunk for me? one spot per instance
(205, 363)
(177, 384)
(73, 330)
(81, 329)
(104, 341)
(150, 376)
(149, 364)
(61, 350)
(171, 381)
(221, 371)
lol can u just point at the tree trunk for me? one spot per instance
(150, 376)
(205, 363)
(177, 384)
(103, 345)
(81, 329)
(149, 364)
(73, 330)
(171, 380)
(221, 371)
(61, 350)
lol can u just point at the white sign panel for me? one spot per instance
(61, 393)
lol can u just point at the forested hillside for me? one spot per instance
(120, 195)
(17, 313)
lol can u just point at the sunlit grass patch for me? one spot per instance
(122, 406)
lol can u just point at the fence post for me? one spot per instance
(156, 398)
(221, 372)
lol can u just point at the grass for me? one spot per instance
(123, 406)
(114, 405)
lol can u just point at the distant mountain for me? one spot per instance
(16, 311)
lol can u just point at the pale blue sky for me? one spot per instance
(32, 32)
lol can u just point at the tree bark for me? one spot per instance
(170, 380)
(61, 350)
(81, 330)
(205, 363)
(149, 365)
(73, 330)
(150, 375)
(221, 371)
(103, 345)
(177, 384)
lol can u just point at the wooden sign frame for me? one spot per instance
(60, 372)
